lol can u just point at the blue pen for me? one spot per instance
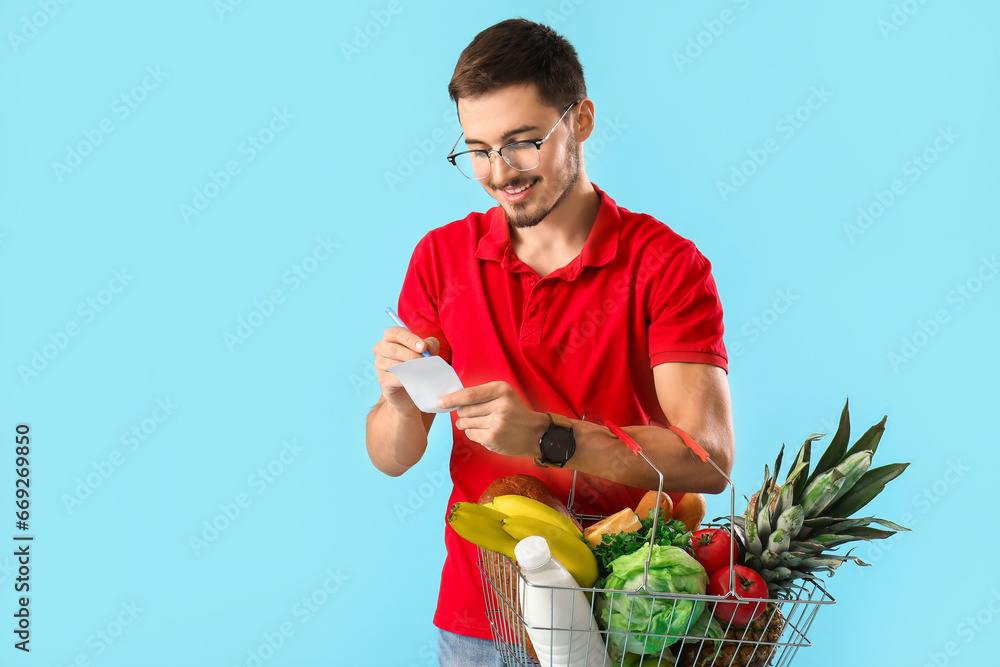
(395, 318)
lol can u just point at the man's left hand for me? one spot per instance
(493, 415)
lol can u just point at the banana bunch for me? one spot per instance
(499, 525)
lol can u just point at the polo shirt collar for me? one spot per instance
(600, 248)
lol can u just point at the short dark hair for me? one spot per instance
(516, 52)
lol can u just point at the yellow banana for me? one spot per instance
(492, 507)
(514, 505)
(567, 548)
(481, 526)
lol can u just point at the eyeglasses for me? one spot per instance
(520, 155)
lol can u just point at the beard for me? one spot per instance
(523, 215)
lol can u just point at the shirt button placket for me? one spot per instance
(530, 329)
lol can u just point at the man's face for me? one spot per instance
(515, 113)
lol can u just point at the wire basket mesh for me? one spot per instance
(771, 640)
(676, 638)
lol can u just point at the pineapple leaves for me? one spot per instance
(856, 560)
(778, 542)
(802, 460)
(764, 521)
(777, 466)
(853, 466)
(828, 563)
(791, 558)
(836, 482)
(786, 496)
(890, 525)
(755, 548)
(835, 451)
(821, 491)
(790, 532)
(866, 533)
(740, 532)
(837, 526)
(870, 485)
(751, 540)
(791, 520)
(870, 439)
(847, 524)
(820, 522)
(760, 497)
(810, 546)
(831, 541)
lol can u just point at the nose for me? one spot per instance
(503, 170)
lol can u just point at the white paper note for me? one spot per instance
(426, 380)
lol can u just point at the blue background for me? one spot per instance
(349, 108)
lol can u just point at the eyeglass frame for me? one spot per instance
(489, 154)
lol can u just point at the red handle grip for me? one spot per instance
(623, 436)
(691, 443)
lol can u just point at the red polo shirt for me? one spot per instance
(583, 339)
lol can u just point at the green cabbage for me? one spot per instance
(647, 618)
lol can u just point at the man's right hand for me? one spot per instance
(398, 345)
(396, 436)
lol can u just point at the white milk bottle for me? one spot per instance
(558, 616)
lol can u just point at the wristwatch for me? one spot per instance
(557, 445)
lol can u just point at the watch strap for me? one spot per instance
(560, 421)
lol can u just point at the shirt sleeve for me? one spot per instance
(685, 315)
(420, 296)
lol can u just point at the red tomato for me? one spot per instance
(747, 584)
(713, 548)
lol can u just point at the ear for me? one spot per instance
(583, 119)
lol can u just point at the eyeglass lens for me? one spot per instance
(521, 156)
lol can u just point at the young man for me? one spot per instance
(554, 304)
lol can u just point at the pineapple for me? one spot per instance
(790, 531)
(740, 649)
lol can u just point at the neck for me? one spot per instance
(560, 236)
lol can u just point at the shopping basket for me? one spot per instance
(772, 639)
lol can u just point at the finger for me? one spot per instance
(479, 422)
(433, 345)
(394, 353)
(476, 409)
(383, 364)
(406, 338)
(388, 349)
(467, 396)
(478, 435)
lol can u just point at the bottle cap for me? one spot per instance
(532, 552)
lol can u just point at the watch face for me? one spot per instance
(559, 445)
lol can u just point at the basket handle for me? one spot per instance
(690, 442)
(623, 436)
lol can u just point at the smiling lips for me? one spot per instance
(517, 193)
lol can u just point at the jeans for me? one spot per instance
(461, 651)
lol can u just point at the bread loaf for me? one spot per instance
(530, 487)
(502, 575)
